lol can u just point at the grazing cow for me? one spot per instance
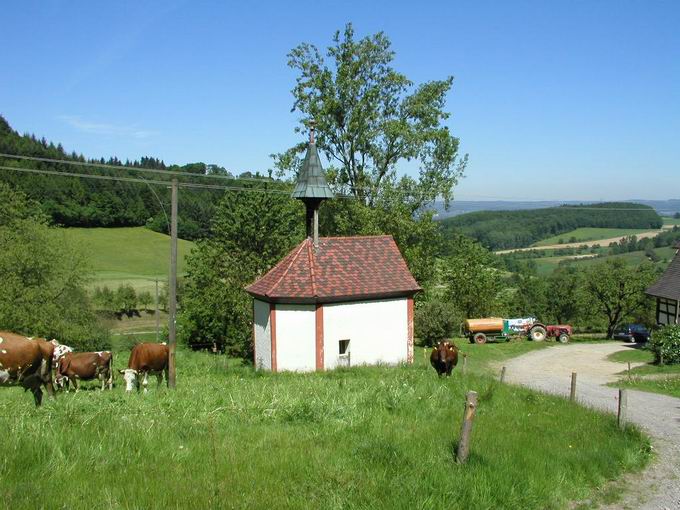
(26, 362)
(75, 366)
(146, 359)
(59, 351)
(444, 357)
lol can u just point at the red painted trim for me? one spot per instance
(254, 342)
(272, 328)
(319, 337)
(409, 315)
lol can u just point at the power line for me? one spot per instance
(138, 169)
(264, 180)
(192, 185)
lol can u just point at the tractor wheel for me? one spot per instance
(563, 338)
(480, 338)
(537, 333)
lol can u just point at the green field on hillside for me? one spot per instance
(589, 234)
(134, 255)
(667, 220)
(364, 437)
(546, 265)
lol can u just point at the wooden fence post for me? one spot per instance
(466, 429)
(464, 364)
(572, 394)
(503, 374)
(623, 408)
(629, 377)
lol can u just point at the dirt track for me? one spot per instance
(550, 370)
(601, 242)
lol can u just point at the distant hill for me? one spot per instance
(499, 230)
(134, 255)
(456, 207)
(77, 202)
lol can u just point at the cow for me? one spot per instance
(59, 351)
(444, 357)
(85, 366)
(145, 359)
(26, 362)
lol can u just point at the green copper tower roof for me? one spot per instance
(311, 181)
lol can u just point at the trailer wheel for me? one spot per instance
(480, 338)
(563, 338)
(537, 333)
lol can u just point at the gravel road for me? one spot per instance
(550, 370)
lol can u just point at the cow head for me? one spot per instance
(130, 377)
(61, 381)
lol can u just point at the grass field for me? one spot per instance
(134, 255)
(589, 234)
(667, 220)
(648, 377)
(378, 437)
(546, 265)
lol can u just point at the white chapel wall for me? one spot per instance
(295, 337)
(377, 330)
(263, 347)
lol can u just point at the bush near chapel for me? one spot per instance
(665, 344)
(435, 321)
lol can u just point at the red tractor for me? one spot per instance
(539, 332)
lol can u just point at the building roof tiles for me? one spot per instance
(341, 268)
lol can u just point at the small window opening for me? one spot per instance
(343, 346)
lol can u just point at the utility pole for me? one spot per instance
(158, 315)
(172, 340)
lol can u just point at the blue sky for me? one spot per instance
(552, 100)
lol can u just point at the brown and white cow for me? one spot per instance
(59, 351)
(85, 366)
(444, 357)
(26, 362)
(145, 359)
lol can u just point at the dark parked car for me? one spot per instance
(632, 332)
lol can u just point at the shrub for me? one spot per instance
(145, 300)
(435, 320)
(665, 344)
(126, 299)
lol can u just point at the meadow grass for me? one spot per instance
(663, 379)
(132, 255)
(546, 265)
(669, 220)
(666, 385)
(365, 437)
(634, 355)
(584, 234)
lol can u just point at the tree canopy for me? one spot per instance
(370, 118)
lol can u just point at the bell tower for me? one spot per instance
(312, 188)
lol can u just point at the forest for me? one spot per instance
(499, 230)
(101, 203)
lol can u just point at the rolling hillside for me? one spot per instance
(134, 255)
(498, 230)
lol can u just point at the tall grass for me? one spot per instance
(378, 437)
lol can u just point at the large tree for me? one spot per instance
(617, 290)
(472, 281)
(370, 117)
(43, 278)
(251, 231)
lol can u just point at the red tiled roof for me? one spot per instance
(341, 268)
